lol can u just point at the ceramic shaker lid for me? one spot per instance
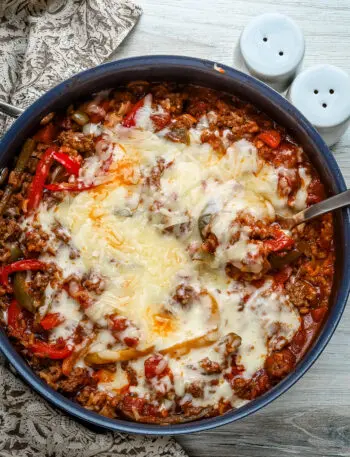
(273, 46)
(322, 94)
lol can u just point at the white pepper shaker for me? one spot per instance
(322, 94)
(273, 46)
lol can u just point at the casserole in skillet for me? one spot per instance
(145, 272)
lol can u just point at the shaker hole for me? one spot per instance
(281, 53)
(265, 39)
(324, 105)
(315, 91)
(331, 91)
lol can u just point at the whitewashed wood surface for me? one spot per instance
(312, 418)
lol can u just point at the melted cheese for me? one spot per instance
(118, 228)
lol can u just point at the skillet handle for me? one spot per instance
(11, 110)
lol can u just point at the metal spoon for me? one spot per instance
(330, 204)
(11, 110)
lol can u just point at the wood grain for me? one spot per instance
(312, 418)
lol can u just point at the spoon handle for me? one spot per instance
(11, 110)
(330, 204)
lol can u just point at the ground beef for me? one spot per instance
(209, 367)
(279, 364)
(195, 389)
(9, 230)
(15, 179)
(185, 295)
(61, 233)
(99, 402)
(94, 284)
(77, 379)
(231, 342)
(131, 373)
(170, 101)
(79, 142)
(302, 293)
(251, 388)
(215, 142)
(35, 242)
(5, 254)
(210, 244)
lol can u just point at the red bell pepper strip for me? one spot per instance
(155, 366)
(15, 319)
(270, 137)
(41, 174)
(69, 187)
(20, 265)
(13, 313)
(54, 351)
(43, 170)
(70, 164)
(130, 118)
(281, 241)
(16, 324)
(51, 320)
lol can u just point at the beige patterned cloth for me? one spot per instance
(43, 42)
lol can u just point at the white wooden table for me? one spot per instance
(312, 418)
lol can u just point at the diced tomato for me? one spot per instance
(54, 351)
(281, 241)
(51, 320)
(270, 137)
(131, 403)
(130, 118)
(130, 341)
(318, 314)
(315, 192)
(160, 120)
(47, 134)
(119, 324)
(155, 366)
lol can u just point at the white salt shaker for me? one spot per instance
(322, 94)
(273, 46)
